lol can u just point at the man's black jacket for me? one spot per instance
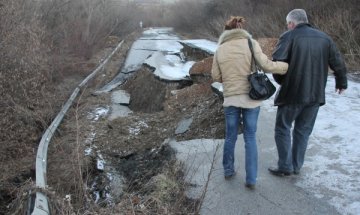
(310, 53)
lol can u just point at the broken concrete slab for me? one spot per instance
(183, 125)
(118, 111)
(218, 89)
(197, 50)
(169, 67)
(198, 156)
(120, 97)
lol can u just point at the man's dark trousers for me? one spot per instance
(292, 154)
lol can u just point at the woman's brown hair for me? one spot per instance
(235, 22)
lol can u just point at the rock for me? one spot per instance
(120, 97)
(184, 125)
(202, 67)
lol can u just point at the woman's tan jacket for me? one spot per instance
(232, 62)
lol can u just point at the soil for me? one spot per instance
(133, 147)
(18, 160)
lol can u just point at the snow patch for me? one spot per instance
(332, 161)
(98, 113)
(138, 127)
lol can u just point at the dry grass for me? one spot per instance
(266, 19)
(44, 51)
(162, 194)
(47, 47)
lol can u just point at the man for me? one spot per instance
(309, 52)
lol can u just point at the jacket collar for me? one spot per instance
(303, 24)
(233, 34)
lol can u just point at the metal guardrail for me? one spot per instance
(41, 206)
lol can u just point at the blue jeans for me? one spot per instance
(249, 119)
(292, 154)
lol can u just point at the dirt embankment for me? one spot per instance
(23, 122)
(134, 146)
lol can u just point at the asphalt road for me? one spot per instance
(273, 195)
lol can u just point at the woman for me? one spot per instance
(231, 67)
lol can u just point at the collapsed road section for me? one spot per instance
(165, 95)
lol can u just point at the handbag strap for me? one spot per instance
(254, 65)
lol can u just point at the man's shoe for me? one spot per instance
(296, 172)
(227, 177)
(250, 186)
(278, 172)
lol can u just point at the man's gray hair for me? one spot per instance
(297, 16)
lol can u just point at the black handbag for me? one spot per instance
(261, 87)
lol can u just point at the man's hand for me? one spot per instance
(340, 91)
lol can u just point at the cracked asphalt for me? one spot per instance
(273, 195)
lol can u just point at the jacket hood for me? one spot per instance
(233, 34)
